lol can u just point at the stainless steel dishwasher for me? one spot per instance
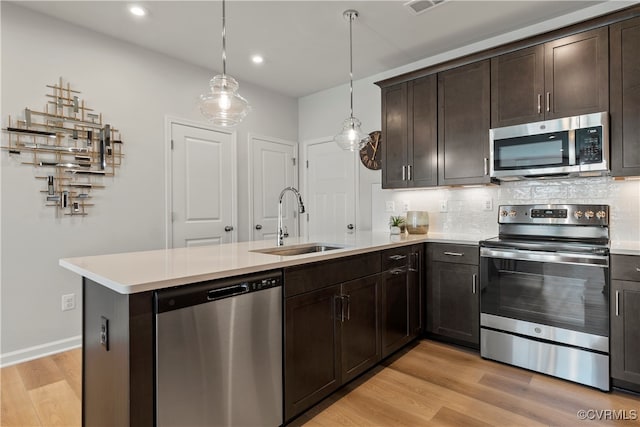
(219, 353)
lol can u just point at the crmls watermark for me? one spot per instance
(608, 414)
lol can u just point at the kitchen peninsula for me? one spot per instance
(119, 366)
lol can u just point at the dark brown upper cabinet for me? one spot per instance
(560, 78)
(410, 134)
(625, 98)
(463, 124)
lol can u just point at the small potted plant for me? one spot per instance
(396, 223)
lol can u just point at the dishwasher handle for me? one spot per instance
(229, 291)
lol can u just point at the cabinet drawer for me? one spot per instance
(459, 254)
(398, 257)
(625, 267)
(309, 277)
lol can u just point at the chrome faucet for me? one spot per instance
(280, 240)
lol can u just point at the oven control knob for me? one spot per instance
(601, 214)
(578, 214)
(589, 214)
(504, 213)
(512, 213)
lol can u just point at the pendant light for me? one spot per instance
(223, 105)
(351, 137)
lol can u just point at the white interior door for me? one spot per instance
(331, 184)
(273, 165)
(202, 186)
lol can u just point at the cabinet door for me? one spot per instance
(625, 331)
(577, 74)
(416, 294)
(625, 98)
(423, 132)
(453, 309)
(394, 136)
(463, 124)
(395, 315)
(360, 326)
(312, 365)
(517, 87)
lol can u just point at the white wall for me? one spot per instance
(321, 114)
(134, 89)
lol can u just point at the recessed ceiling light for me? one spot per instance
(257, 59)
(137, 10)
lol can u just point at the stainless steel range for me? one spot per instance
(545, 291)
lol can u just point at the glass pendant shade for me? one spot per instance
(351, 138)
(223, 105)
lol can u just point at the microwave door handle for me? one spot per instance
(572, 147)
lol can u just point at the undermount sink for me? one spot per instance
(308, 248)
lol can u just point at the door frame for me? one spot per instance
(168, 172)
(296, 174)
(304, 180)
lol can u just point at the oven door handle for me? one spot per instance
(554, 257)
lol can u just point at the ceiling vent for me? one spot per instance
(419, 6)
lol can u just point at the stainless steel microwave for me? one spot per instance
(571, 146)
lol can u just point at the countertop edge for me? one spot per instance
(267, 264)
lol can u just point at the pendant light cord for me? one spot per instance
(224, 40)
(351, 61)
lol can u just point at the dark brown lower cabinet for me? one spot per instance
(312, 363)
(625, 321)
(453, 297)
(336, 331)
(360, 324)
(625, 332)
(401, 297)
(332, 335)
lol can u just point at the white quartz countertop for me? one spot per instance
(133, 272)
(625, 248)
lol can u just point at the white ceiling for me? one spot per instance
(305, 43)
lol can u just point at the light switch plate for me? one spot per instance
(487, 205)
(444, 206)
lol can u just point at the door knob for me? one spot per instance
(350, 227)
(258, 227)
(228, 228)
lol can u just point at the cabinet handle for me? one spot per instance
(414, 265)
(474, 282)
(539, 103)
(638, 269)
(397, 257)
(339, 300)
(397, 271)
(454, 253)
(486, 166)
(348, 299)
(404, 173)
(617, 303)
(548, 101)
(408, 172)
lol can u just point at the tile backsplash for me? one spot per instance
(467, 208)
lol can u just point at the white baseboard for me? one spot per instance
(35, 352)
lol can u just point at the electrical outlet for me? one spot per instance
(487, 205)
(104, 332)
(443, 206)
(68, 302)
(391, 206)
(405, 206)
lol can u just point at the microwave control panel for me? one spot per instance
(589, 145)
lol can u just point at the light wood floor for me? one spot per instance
(42, 392)
(431, 384)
